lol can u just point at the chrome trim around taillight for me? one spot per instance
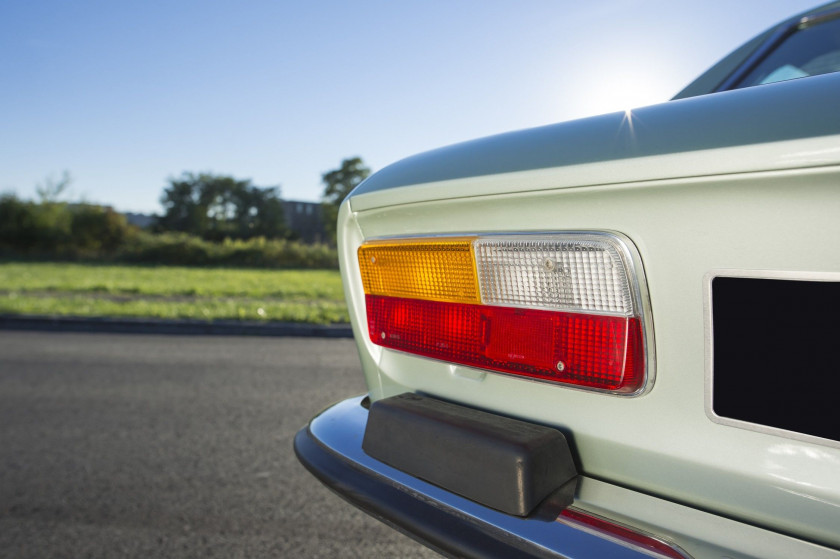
(637, 280)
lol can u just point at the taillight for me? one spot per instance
(561, 307)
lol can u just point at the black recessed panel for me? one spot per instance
(776, 353)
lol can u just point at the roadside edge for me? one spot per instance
(129, 325)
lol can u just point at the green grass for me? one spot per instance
(170, 280)
(171, 292)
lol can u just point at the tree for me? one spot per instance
(216, 207)
(337, 185)
(51, 189)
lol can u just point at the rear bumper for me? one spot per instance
(330, 447)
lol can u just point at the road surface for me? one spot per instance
(127, 445)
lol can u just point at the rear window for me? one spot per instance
(812, 50)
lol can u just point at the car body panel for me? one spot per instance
(683, 228)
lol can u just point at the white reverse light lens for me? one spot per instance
(569, 272)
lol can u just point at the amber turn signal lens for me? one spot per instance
(428, 269)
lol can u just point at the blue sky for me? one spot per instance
(124, 95)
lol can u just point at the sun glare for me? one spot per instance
(622, 83)
(625, 92)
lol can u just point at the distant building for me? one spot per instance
(305, 220)
(142, 221)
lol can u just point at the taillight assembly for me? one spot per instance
(562, 307)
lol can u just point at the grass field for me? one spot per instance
(171, 292)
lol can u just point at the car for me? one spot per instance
(611, 337)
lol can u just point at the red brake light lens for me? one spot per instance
(603, 352)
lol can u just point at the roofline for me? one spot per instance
(727, 73)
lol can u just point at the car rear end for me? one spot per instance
(658, 286)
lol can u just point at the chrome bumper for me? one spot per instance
(331, 448)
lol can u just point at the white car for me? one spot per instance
(612, 337)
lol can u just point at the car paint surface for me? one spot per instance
(758, 116)
(760, 194)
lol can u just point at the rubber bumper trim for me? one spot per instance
(503, 463)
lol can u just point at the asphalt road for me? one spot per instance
(126, 445)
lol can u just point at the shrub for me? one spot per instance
(33, 228)
(187, 250)
(60, 231)
(94, 228)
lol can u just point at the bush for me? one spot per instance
(57, 229)
(182, 249)
(94, 228)
(33, 228)
(60, 231)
